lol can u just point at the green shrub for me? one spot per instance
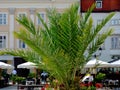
(99, 77)
(16, 78)
(31, 75)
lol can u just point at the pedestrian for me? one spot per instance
(14, 72)
(44, 76)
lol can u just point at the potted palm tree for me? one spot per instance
(63, 46)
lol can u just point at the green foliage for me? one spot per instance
(88, 88)
(99, 77)
(19, 79)
(31, 75)
(13, 78)
(63, 46)
(16, 78)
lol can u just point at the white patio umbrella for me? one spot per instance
(94, 62)
(28, 65)
(115, 63)
(6, 66)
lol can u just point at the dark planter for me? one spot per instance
(2, 83)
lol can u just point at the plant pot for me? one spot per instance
(98, 85)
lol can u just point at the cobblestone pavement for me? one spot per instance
(15, 88)
(9, 88)
(106, 88)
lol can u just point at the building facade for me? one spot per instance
(111, 46)
(101, 5)
(11, 9)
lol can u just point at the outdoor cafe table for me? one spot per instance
(29, 87)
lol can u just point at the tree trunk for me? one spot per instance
(71, 85)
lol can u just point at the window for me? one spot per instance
(112, 22)
(98, 3)
(42, 16)
(115, 21)
(2, 41)
(118, 21)
(21, 44)
(115, 42)
(20, 15)
(3, 18)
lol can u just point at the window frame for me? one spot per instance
(19, 45)
(44, 18)
(115, 42)
(3, 18)
(6, 41)
(114, 22)
(99, 2)
(21, 13)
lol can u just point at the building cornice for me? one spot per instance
(35, 3)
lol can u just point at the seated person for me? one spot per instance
(38, 80)
(30, 81)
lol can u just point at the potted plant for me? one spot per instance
(17, 79)
(20, 80)
(98, 79)
(13, 79)
(31, 75)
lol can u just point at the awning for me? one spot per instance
(6, 57)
